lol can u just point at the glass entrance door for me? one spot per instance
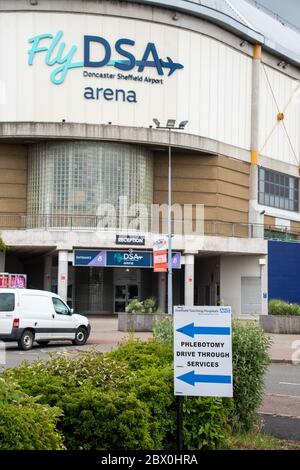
(123, 294)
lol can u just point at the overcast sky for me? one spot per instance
(287, 9)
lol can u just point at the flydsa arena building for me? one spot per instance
(84, 168)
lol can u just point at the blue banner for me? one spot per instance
(137, 259)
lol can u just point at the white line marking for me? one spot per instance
(288, 383)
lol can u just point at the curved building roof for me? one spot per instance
(246, 18)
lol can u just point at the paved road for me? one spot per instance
(14, 357)
(283, 379)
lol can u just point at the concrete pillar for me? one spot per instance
(254, 215)
(162, 281)
(263, 263)
(189, 279)
(47, 272)
(62, 281)
(2, 261)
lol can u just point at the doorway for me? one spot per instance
(124, 293)
(127, 286)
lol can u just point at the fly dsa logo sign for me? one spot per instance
(102, 59)
(202, 351)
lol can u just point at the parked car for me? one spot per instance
(28, 315)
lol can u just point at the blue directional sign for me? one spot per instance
(192, 330)
(191, 378)
(202, 351)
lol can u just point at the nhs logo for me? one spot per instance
(61, 57)
(225, 309)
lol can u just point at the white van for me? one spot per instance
(28, 315)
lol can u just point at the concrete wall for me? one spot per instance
(233, 268)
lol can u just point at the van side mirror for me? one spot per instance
(71, 311)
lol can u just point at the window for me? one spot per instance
(7, 302)
(70, 183)
(60, 307)
(278, 190)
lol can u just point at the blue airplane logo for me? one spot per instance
(165, 64)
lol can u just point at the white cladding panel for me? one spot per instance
(212, 91)
(279, 139)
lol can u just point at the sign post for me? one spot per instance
(202, 354)
(160, 258)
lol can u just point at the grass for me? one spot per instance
(260, 441)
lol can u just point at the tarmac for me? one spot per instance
(280, 414)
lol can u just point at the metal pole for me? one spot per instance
(179, 423)
(170, 279)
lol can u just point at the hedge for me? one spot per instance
(279, 307)
(124, 399)
(26, 424)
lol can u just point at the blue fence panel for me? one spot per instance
(284, 271)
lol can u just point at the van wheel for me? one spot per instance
(43, 343)
(81, 337)
(26, 341)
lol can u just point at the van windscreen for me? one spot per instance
(7, 302)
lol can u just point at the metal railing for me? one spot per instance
(129, 224)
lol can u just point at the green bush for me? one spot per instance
(145, 306)
(250, 360)
(62, 375)
(124, 399)
(149, 305)
(163, 330)
(279, 307)
(206, 422)
(105, 420)
(26, 424)
(154, 387)
(138, 355)
(135, 306)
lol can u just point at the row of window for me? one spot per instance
(278, 190)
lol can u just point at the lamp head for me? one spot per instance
(156, 122)
(183, 124)
(171, 123)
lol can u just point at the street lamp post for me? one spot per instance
(171, 125)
